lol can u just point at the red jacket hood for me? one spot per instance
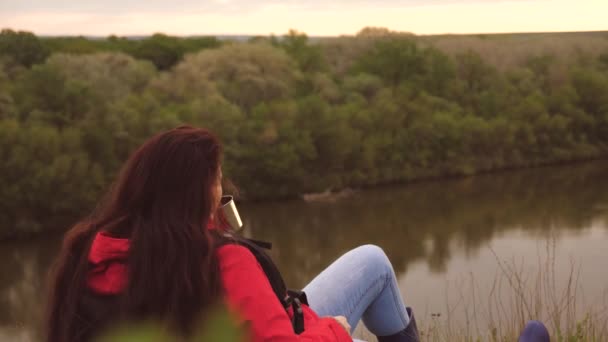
(108, 257)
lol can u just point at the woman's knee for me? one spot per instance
(374, 258)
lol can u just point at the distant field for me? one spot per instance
(506, 50)
(501, 50)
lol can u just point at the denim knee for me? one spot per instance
(375, 259)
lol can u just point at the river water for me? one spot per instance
(459, 247)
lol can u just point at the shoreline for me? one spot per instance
(337, 194)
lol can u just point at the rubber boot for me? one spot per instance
(409, 334)
(534, 331)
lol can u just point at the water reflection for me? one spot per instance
(427, 222)
(22, 287)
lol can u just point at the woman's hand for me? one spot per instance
(343, 322)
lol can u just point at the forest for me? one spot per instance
(296, 114)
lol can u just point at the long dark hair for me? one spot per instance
(161, 200)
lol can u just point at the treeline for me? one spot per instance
(162, 50)
(295, 116)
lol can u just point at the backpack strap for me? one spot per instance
(289, 298)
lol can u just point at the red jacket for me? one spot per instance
(248, 292)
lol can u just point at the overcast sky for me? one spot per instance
(315, 17)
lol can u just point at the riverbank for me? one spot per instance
(331, 195)
(59, 225)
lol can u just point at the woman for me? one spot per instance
(151, 251)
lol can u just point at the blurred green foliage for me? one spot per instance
(220, 326)
(295, 115)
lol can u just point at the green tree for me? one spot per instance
(44, 94)
(80, 45)
(393, 59)
(162, 50)
(67, 89)
(23, 47)
(308, 56)
(46, 176)
(244, 74)
(195, 44)
(592, 96)
(6, 99)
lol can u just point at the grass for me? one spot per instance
(516, 296)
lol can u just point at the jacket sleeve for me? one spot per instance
(248, 291)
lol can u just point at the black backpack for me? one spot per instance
(288, 298)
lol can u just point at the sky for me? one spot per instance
(314, 17)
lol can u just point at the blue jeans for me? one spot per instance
(360, 285)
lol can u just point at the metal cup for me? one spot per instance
(231, 215)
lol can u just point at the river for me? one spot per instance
(457, 246)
